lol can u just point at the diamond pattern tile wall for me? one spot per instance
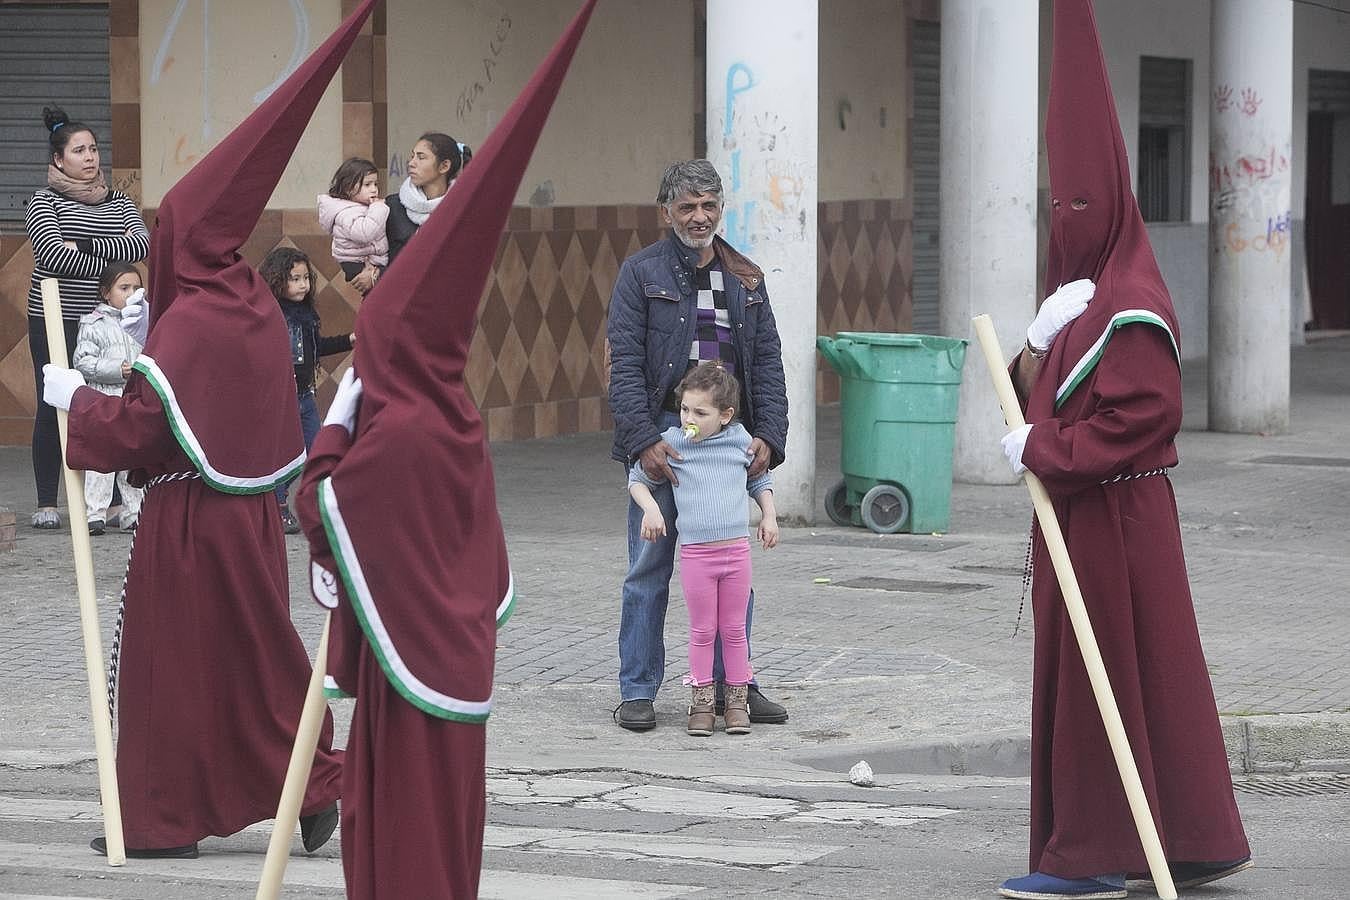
(536, 362)
(863, 277)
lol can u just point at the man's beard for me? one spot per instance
(692, 242)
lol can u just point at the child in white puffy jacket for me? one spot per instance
(353, 213)
(103, 355)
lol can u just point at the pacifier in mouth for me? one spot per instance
(691, 430)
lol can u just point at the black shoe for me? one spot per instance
(636, 715)
(97, 526)
(315, 830)
(288, 523)
(187, 851)
(764, 711)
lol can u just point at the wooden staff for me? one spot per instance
(1082, 626)
(84, 581)
(297, 775)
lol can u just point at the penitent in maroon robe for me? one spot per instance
(212, 673)
(414, 800)
(406, 543)
(1105, 410)
(1125, 544)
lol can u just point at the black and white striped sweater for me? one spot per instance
(111, 231)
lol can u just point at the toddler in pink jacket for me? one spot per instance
(353, 213)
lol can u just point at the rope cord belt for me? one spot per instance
(1028, 566)
(116, 651)
(1133, 475)
(172, 476)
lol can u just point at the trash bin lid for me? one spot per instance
(893, 339)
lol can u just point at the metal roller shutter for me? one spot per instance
(49, 54)
(1329, 91)
(925, 39)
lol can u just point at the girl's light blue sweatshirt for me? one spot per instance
(713, 484)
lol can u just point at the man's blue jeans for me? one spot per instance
(646, 594)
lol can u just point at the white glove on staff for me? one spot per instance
(1014, 442)
(136, 315)
(59, 385)
(1058, 310)
(345, 402)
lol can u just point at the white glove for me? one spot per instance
(323, 584)
(136, 315)
(1014, 442)
(59, 385)
(1058, 310)
(345, 402)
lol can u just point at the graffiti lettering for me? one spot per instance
(1274, 239)
(128, 181)
(496, 44)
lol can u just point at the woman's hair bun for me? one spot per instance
(54, 117)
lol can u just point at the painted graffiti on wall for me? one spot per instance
(1250, 102)
(188, 150)
(1274, 239)
(475, 89)
(1237, 181)
(765, 182)
(1247, 103)
(1249, 177)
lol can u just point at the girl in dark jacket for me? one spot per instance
(289, 274)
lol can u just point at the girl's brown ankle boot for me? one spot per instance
(702, 715)
(737, 714)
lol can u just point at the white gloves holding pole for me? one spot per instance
(59, 385)
(345, 402)
(1014, 442)
(1059, 309)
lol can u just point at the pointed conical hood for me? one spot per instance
(410, 509)
(416, 325)
(1096, 230)
(217, 351)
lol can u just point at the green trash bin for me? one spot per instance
(898, 413)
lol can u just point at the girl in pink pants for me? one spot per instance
(710, 482)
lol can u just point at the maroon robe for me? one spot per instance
(1107, 403)
(414, 827)
(212, 675)
(405, 539)
(1125, 544)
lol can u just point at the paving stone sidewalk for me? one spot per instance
(897, 642)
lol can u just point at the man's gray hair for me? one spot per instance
(694, 176)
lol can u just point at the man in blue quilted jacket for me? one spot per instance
(685, 299)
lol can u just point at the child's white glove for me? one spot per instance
(1014, 442)
(1058, 310)
(136, 315)
(59, 385)
(345, 402)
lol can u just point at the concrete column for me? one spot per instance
(762, 85)
(1251, 127)
(988, 217)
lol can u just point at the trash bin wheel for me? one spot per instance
(836, 505)
(885, 508)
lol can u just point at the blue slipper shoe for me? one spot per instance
(1039, 886)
